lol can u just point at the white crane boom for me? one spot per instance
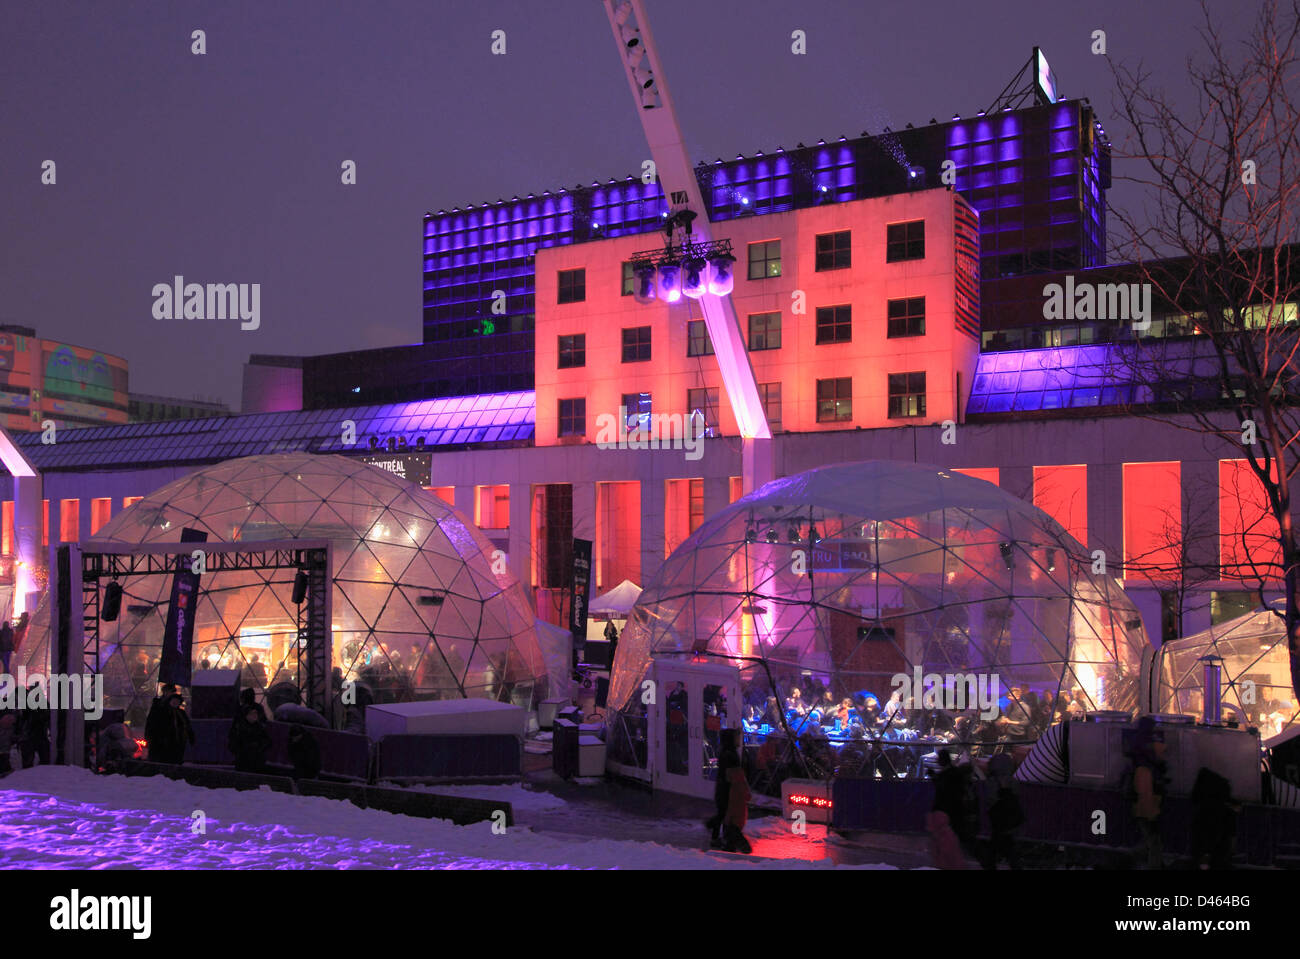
(673, 168)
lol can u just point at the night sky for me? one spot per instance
(226, 167)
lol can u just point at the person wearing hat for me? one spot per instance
(249, 740)
(172, 732)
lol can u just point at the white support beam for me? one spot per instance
(646, 79)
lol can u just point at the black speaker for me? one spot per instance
(602, 691)
(299, 588)
(214, 694)
(112, 602)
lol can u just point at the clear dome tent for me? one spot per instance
(844, 577)
(418, 612)
(1255, 678)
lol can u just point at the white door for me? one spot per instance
(692, 705)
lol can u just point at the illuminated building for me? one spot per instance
(44, 381)
(1036, 176)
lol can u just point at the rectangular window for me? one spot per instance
(7, 529)
(835, 400)
(1153, 520)
(572, 351)
(703, 403)
(492, 507)
(636, 344)
(573, 417)
(905, 241)
(69, 520)
(572, 286)
(45, 522)
(906, 317)
(906, 395)
(833, 252)
(101, 511)
(764, 331)
(629, 279)
(764, 259)
(834, 324)
(770, 394)
(1062, 493)
(1250, 544)
(697, 503)
(130, 501)
(636, 412)
(697, 339)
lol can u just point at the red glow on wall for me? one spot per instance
(1062, 493)
(1153, 520)
(1249, 547)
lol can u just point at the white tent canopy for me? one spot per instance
(618, 602)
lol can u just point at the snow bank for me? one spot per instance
(60, 816)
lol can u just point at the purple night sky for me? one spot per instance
(225, 168)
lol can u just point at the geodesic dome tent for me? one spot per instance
(417, 609)
(849, 575)
(1255, 677)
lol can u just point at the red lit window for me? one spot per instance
(69, 520)
(1249, 547)
(1062, 493)
(1153, 520)
(101, 510)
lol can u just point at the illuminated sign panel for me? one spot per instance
(1044, 80)
(415, 467)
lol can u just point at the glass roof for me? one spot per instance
(489, 418)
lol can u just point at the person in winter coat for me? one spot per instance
(248, 700)
(1214, 821)
(731, 797)
(1147, 788)
(1006, 814)
(951, 819)
(33, 732)
(304, 753)
(249, 740)
(8, 723)
(116, 746)
(172, 733)
(6, 643)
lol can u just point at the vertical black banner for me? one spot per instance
(578, 592)
(178, 638)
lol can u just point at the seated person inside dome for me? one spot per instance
(827, 704)
(772, 712)
(870, 712)
(894, 713)
(795, 702)
(1078, 706)
(846, 713)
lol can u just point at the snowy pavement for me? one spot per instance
(64, 817)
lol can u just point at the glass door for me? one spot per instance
(693, 704)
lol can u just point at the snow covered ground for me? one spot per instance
(63, 817)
